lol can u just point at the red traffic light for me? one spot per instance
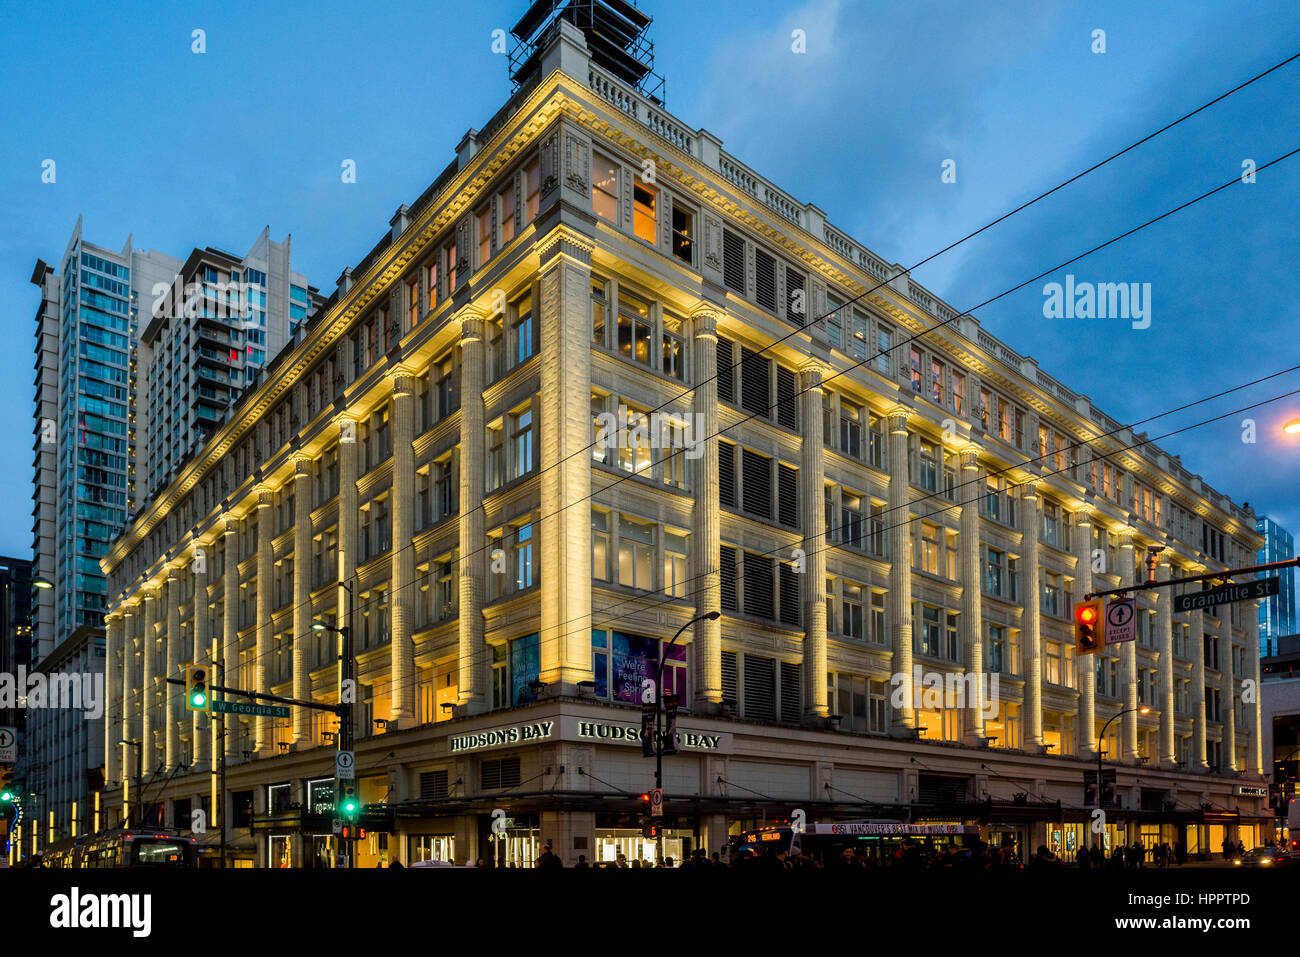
(1086, 614)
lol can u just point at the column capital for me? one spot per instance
(704, 321)
(265, 496)
(813, 372)
(896, 419)
(115, 614)
(230, 525)
(970, 456)
(564, 243)
(472, 320)
(302, 463)
(403, 379)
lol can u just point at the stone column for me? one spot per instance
(148, 648)
(565, 427)
(402, 593)
(264, 737)
(1165, 630)
(173, 695)
(302, 610)
(706, 525)
(229, 669)
(972, 602)
(349, 525)
(202, 653)
(1255, 760)
(1226, 686)
(1196, 621)
(113, 646)
(900, 568)
(1031, 638)
(472, 680)
(1085, 667)
(812, 516)
(1128, 658)
(129, 689)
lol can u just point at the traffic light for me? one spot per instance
(8, 809)
(649, 829)
(670, 724)
(349, 806)
(196, 688)
(648, 731)
(1089, 633)
(646, 822)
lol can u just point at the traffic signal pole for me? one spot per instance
(1151, 583)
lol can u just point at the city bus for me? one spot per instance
(878, 840)
(123, 848)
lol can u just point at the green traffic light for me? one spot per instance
(199, 700)
(7, 796)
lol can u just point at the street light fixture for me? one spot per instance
(1143, 709)
(1292, 427)
(42, 583)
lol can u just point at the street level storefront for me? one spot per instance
(570, 773)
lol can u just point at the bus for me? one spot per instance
(877, 839)
(136, 847)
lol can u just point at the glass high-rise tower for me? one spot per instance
(1276, 614)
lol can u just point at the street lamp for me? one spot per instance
(136, 793)
(659, 744)
(1292, 427)
(42, 583)
(1140, 710)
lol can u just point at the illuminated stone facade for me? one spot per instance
(428, 448)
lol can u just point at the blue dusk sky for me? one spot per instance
(181, 150)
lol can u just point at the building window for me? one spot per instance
(506, 214)
(413, 303)
(636, 550)
(604, 187)
(599, 545)
(532, 190)
(431, 287)
(674, 356)
(598, 302)
(851, 605)
(683, 234)
(450, 253)
(496, 463)
(733, 261)
(485, 235)
(522, 331)
(523, 557)
(676, 564)
(930, 631)
(521, 442)
(634, 329)
(645, 201)
(634, 452)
